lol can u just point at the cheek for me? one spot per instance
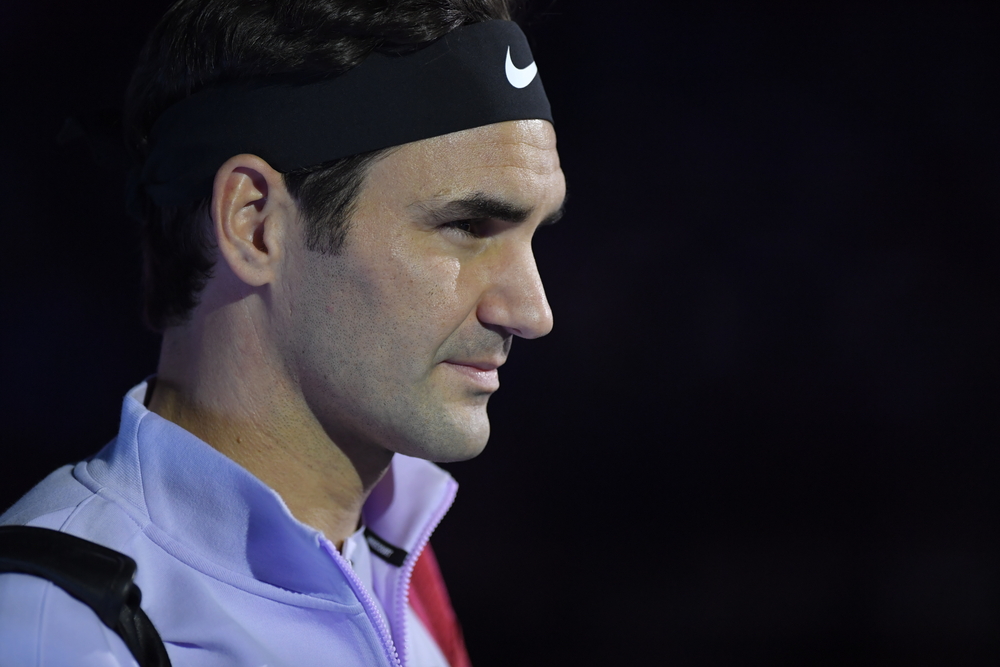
(418, 290)
(387, 305)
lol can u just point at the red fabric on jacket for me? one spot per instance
(429, 599)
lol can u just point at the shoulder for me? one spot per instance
(42, 626)
(51, 500)
(85, 508)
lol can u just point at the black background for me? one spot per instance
(764, 429)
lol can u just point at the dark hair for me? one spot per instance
(200, 43)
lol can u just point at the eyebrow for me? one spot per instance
(480, 206)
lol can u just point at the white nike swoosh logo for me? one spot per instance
(519, 78)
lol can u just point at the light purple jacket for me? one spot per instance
(228, 575)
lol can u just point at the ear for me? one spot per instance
(250, 215)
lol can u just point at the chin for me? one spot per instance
(454, 437)
(469, 451)
(462, 446)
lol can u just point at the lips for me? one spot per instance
(479, 365)
(482, 373)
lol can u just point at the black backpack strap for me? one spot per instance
(95, 575)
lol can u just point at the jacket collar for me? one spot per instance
(216, 511)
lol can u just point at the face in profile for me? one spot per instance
(396, 340)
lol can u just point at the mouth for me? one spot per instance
(482, 373)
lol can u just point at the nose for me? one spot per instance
(515, 299)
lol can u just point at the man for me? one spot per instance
(338, 200)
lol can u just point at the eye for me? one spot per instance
(466, 227)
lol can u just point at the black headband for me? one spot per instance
(479, 74)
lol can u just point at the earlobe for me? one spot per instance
(247, 217)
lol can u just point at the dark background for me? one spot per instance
(764, 429)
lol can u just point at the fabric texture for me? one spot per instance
(228, 575)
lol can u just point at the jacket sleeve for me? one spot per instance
(43, 626)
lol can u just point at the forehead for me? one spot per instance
(517, 160)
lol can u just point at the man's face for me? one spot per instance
(395, 341)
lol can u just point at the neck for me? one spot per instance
(218, 379)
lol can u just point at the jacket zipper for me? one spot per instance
(403, 589)
(366, 601)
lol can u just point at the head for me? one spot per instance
(204, 43)
(387, 285)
